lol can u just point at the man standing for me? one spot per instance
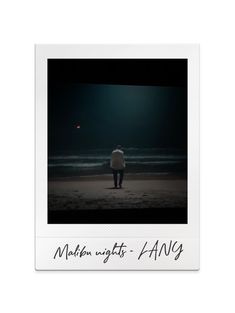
(117, 164)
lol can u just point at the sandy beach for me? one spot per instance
(97, 192)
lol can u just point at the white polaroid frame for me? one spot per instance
(182, 240)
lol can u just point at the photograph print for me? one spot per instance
(117, 141)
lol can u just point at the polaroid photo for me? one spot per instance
(117, 157)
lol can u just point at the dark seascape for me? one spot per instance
(95, 105)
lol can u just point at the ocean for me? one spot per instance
(97, 162)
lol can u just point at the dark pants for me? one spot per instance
(115, 177)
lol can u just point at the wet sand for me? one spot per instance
(97, 192)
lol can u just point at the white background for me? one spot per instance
(210, 23)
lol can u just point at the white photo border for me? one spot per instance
(48, 236)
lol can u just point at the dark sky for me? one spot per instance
(147, 107)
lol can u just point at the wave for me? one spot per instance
(97, 161)
(75, 165)
(91, 165)
(88, 157)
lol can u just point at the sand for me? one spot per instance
(97, 192)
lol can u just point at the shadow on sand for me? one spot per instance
(113, 188)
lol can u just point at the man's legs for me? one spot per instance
(121, 173)
(115, 172)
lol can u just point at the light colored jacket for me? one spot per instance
(117, 160)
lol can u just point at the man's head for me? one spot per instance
(119, 147)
